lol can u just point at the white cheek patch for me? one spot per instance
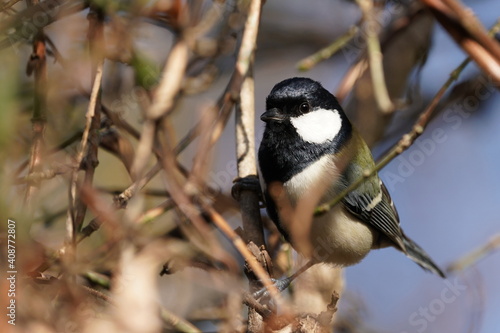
(318, 126)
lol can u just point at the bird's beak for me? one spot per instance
(272, 115)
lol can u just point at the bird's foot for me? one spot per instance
(280, 284)
(248, 183)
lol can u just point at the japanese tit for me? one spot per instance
(310, 151)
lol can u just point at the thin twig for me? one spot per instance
(90, 158)
(90, 134)
(153, 213)
(163, 102)
(174, 179)
(178, 323)
(37, 177)
(375, 57)
(9, 5)
(404, 143)
(475, 256)
(327, 52)
(240, 245)
(38, 65)
(255, 305)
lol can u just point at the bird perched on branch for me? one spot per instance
(309, 154)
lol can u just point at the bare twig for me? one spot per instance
(8, 5)
(474, 256)
(375, 56)
(474, 27)
(404, 143)
(240, 245)
(163, 102)
(327, 52)
(153, 213)
(90, 138)
(38, 65)
(37, 177)
(469, 34)
(245, 149)
(246, 162)
(90, 159)
(174, 178)
(178, 323)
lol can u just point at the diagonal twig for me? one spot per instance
(406, 140)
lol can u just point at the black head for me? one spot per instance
(303, 106)
(303, 122)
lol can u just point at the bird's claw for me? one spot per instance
(248, 183)
(280, 284)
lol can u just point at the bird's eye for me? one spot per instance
(304, 107)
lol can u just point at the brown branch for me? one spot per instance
(474, 27)
(474, 256)
(178, 323)
(182, 195)
(9, 5)
(37, 65)
(327, 52)
(375, 56)
(240, 245)
(245, 127)
(404, 143)
(469, 34)
(90, 139)
(162, 104)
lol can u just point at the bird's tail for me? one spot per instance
(418, 255)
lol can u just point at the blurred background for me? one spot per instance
(446, 186)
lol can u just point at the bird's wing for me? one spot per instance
(371, 203)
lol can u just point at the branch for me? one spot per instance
(375, 57)
(327, 52)
(38, 65)
(404, 143)
(474, 256)
(240, 245)
(90, 138)
(469, 34)
(162, 104)
(178, 323)
(474, 27)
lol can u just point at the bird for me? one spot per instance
(309, 153)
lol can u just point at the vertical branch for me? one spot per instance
(245, 136)
(245, 146)
(162, 104)
(87, 154)
(246, 161)
(38, 66)
(248, 200)
(375, 57)
(96, 48)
